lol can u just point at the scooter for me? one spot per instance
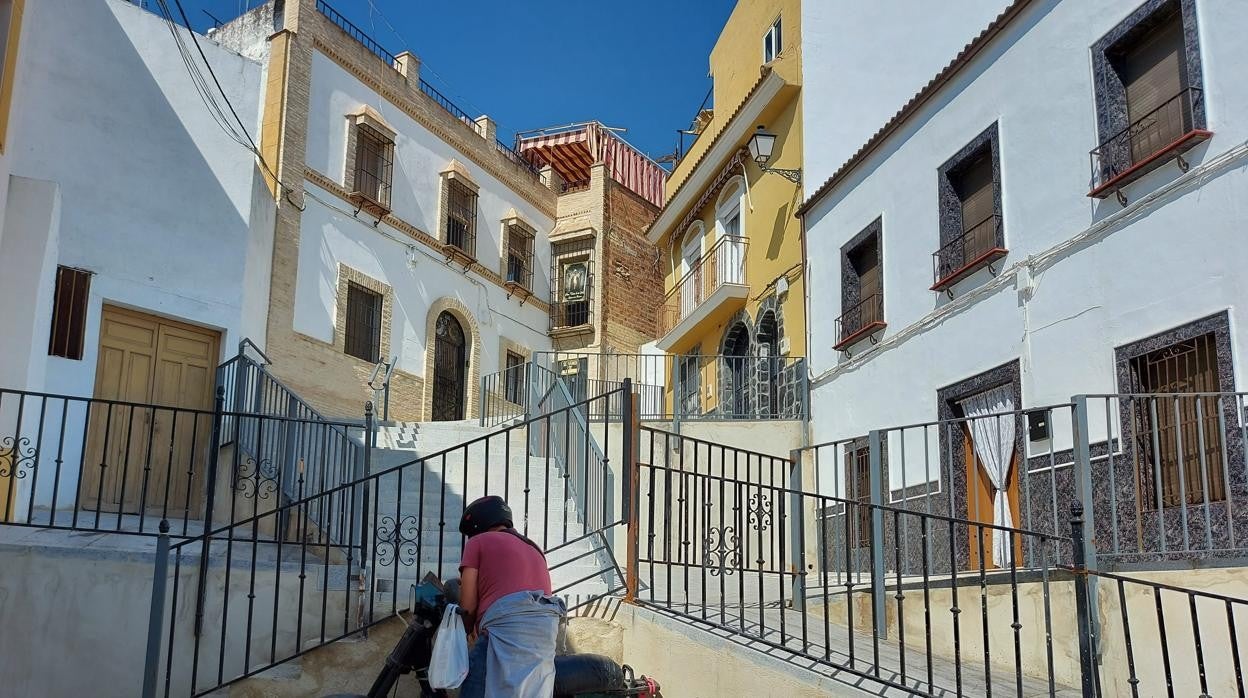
(576, 675)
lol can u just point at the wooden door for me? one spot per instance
(979, 504)
(450, 365)
(141, 456)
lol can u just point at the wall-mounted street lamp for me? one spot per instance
(761, 145)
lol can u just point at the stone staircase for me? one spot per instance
(418, 503)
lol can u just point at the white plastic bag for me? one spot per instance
(449, 665)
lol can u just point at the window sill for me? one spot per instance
(364, 202)
(967, 269)
(854, 338)
(571, 330)
(1152, 162)
(517, 289)
(458, 254)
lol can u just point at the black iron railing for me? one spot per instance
(442, 101)
(1160, 131)
(575, 185)
(277, 586)
(355, 32)
(965, 252)
(516, 158)
(859, 316)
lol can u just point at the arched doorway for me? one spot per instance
(735, 385)
(450, 369)
(769, 366)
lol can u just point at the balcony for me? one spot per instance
(707, 293)
(960, 257)
(1148, 143)
(860, 320)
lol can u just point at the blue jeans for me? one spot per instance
(474, 684)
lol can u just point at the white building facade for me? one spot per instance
(975, 256)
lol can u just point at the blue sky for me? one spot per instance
(637, 64)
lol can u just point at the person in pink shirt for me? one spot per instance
(505, 593)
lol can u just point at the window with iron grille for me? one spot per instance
(572, 283)
(513, 387)
(69, 312)
(374, 158)
(1178, 440)
(858, 490)
(461, 217)
(689, 396)
(519, 256)
(363, 326)
(1148, 89)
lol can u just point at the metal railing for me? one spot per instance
(669, 388)
(1160, 476)
(276, 587)
(442, 101)
(516, 158)
(859, 316)
(379, 383)
(969, 248)
(738, 541)
(1158, 131)
(723, 264)
(355, 32)
(575, 185)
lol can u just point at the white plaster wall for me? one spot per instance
(418, 277)
(420, 158)
(32, 218)
(155, 199)
(1156, 265)
(861, 61)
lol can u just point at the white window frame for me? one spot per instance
(772, 41)
(731, 261)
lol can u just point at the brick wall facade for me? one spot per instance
(631, 274)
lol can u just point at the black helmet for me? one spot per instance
(484, 514)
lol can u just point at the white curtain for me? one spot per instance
(993, 439)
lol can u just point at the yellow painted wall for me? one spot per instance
(9, 74)
(769, 223)
(736, 62)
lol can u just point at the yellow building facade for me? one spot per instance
(733, 320)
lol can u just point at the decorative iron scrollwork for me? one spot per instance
(397, 539)
(17, 457)
(722, 551)
(256, 479)
(759, 510)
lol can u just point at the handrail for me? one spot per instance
(381, 393)
(246, 342)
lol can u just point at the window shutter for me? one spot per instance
(976, 193)
(1153, 70)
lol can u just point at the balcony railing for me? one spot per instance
(1147, 143)
(977, 247)
(722, 265)
(861, 319)
(355, 32)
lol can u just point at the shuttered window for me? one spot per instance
(515, 381)
(363, 326)
(69, 312)
(974, 187)
(1153, 74)
(858, 490)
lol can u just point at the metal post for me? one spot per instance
(1087, 660)
(529, 383)
(677, 386)
(1083, 487)
(385, 411)
(156, 616)
(370, 441)
(214, 453)
(797, 535)
(878, 602)
(632, 486)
